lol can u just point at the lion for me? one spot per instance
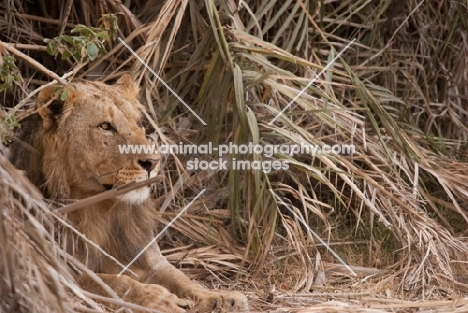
(76, 156)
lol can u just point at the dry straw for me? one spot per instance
(398, 94)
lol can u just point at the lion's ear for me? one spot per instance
(51, 103)
(127, 86)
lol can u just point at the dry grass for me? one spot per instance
(34, 278)
(398, 94)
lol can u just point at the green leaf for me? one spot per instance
(4, 87)
(64, 94)
(9, 59)
(84, 31)
(8, 82)
(79, 39)
(66, 54)
(78, 28)
(93, 51)
(67, 39)
(103, 35)
(51, 47)
(12, 66)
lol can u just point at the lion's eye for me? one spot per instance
(106, 126)
(140, 124)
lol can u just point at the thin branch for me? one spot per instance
(64, 19)
(33, 62)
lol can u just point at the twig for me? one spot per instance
(401, 304)
(25, 46)
(332, 294)
(64, 18)
(109, 194)
(37, 90)
(37, 18)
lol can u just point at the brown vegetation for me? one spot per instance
(398, 94)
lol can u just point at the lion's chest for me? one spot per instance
(121, 231)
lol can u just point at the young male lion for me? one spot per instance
(76, 157)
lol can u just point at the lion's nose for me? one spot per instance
(148, 164)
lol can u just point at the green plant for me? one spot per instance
(7, 125)
(8, 72)
(88, 41)
(8, 75)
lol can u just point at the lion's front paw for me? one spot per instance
(159, 298)
(234, 302)
(210, 301)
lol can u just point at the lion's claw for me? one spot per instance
(210, 301)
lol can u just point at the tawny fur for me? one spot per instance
(75, 156)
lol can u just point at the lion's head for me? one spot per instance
(81, 137)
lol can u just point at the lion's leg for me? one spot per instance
(147, 295)
(165, 274)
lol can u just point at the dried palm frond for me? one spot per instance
(398, 94)
(34, 276)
